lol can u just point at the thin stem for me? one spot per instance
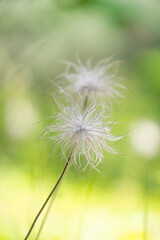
(49, 196)
(85, 102)
(44, 219)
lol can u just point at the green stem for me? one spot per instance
(85, 102)
(49, 196)
(44, 219)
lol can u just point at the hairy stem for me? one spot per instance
(44, 218)
(85, 102)
(49, 196)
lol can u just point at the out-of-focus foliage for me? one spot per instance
(35, 36)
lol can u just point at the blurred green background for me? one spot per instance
(35, 36)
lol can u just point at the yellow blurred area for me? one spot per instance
(77, 212)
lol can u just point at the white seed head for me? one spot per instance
(84, 131)
(87, 79)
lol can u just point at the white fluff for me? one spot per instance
(84, 131)
(88, 79)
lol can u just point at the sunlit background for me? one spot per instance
(35, 36)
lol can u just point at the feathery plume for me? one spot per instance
(98, 79)
(86, 130)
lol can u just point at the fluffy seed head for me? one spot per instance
(88, 79)
(84, 131)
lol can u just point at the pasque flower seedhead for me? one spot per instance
(98, 79)
(86, 131)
